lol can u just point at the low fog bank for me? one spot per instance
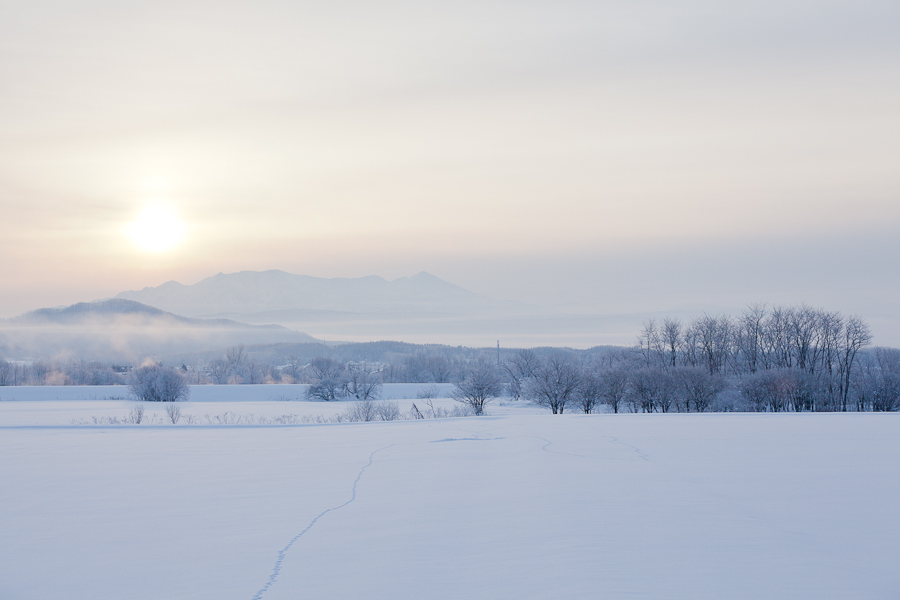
(124, 332)
(124, 341)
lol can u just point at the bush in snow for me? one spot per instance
(156, 383)
(174, 413)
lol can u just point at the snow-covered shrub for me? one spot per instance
(173, 411)
(156, 383)
(362, 411)
(388, 410)
(135, 415)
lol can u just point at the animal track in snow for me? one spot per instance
(276, 569)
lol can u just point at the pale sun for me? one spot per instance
(156, 229)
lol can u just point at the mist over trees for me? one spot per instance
(768, 359)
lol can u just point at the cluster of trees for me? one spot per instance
(423, 367)
(767, 359)
(560, 380)
(237, 367)
(333, 380)
(70, 372)
(780, 358)
(234, 368)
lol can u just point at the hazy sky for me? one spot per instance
(612, 155)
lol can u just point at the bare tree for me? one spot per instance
(855, 337)
(440, 367)
(292, 369)
(715, 337)
(477, 385)
(672, 341)
(652, 344)
(748, 337)
(614, 390)
(876, 382)
(696, 388)
(590, 392)
(363, 384)
(7, 373)
(329, 379)
(428, 367)
(555, 382)
(218, 371)
(652, 389)
(771, 390)
(518, 369)
(173, 411)
(757, 391)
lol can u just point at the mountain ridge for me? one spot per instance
(111, 308)
(275, 290)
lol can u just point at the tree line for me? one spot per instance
(767, 359)
(793, 358)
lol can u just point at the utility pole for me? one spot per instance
(498, 353)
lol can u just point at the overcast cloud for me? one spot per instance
(604, 155)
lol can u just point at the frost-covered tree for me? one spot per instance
(7, 373)
(555, 382)
(614, 387)
(876, 382)
(695, 388)
(477, 385)
(590, 393)
(651, 390)
(363, 384)
(518, 369)
(329, 379)
(156, 383)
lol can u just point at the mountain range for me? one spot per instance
(255, 292)
(272, 307)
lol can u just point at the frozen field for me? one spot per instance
(521, 504)
(201, 393)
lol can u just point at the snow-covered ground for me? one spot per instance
(204, 393)
(512, 505)
(242, 404)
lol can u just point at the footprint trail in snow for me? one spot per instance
(276, 569)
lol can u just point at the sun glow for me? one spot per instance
(156, 229)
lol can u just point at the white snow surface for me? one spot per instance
(204, 393)
(512, 505)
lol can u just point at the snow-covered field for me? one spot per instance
(520, 504)
(203, 393)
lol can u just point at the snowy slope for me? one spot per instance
(605, 506)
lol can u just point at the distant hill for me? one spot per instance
(117, 310)
(272, 292)
(120, 329)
